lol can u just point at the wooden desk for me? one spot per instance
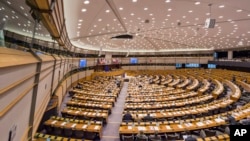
(96, 128)
(218, 90)
(93, 114)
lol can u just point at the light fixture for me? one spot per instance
(210, 23)
(86, 2)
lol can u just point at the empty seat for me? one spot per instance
(210, 133)
(58, 131)
(67, 132)
(90, 135)
(79, 134)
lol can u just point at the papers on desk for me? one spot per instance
(156, 128)
(168, 127)
(98, 114)
(180, 126)
(62, 124)
(219, 120)
(53, 122)
(129, 127)
(188, 124)
(84, 126)
(103, 114)
(85, 113)
(73, 125)
(208, 121)
(200, 124)
(96, 127)
(77, 112)
(141, 128)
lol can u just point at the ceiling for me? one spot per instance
(156, 25)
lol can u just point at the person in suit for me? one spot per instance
(141, 135)
(148, 117)
(231, 120)
(190, 137)
(127, 117)
(245, 121)
(155, 137)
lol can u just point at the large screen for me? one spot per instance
(211, 66)
(178, 65)
(133, 60)
(83, 63)
(192, 65)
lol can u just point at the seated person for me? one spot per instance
(148, 118)
(245, 121)
(189, 137)
(155, 137)
(231, 120)
(141, 135)
(127, 117)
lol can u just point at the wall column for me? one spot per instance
(230, 55)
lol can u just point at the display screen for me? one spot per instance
(215, 55)
(133, 60)
(192, 65)
(83, 63)
(178, 65)
(211, 66)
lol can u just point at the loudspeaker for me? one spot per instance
(209, 23)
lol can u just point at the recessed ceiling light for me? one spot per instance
(197, 3)
(21, 7)
(190, 11)
(239, 10)
(221, 6)
(167, 1)
(107, 11)
(84, 10)
(8, 2)
(220, 17)
(145, 8)
(80, 20)
(86, 2)
(132, 14)
(169, 9)
(134, 0)
(120, 8)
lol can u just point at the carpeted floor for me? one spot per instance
(111, 130)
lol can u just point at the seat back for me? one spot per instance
(67, 132)
(127, 137)
(79, 134)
